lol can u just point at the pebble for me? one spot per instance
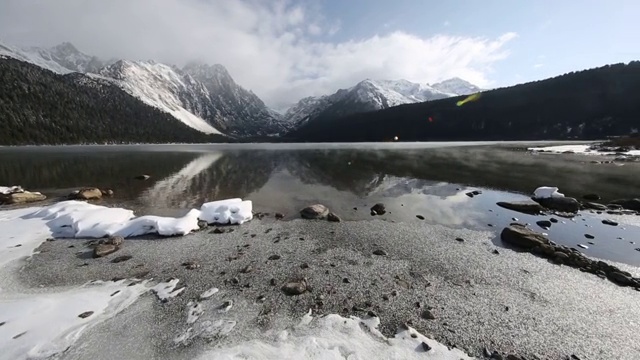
(279, 216)
(272, 282)
(121, 258)
(379, 252)
(85, 314)
(609, 222)
(274, 257)
(346, 281)
(425, 346)
(589, 236)
(420, 217)
(295, 287)
(460, 239)
(385, 297)
(247, 269)
(428, 315)
(304, 266)
(495, 251)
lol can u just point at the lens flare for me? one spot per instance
(470, 98)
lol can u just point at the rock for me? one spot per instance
(107, 192)
(346, 281)
(609, 222)
(274, 257)
(591, 197)
(425, 346)
(496, 252)
(589, 236)
(518, 235)
(272, 282)
(87, 194)
(470, 194)
(614, 207)
(427, 315)
(379, 252)
(279, 216)
(554, 220)
(295, 287)
(560, 203)
(459, 239)
(85, 314)
(333, 217)
(545, 224)
(526, 207)
(620, 278)
(142, 177)
(122, 258)
(583, 246)
(317, 211)
(217, 231)
(378, 209)
(115, 240)
(304, 266)
(103, 250)
(420, 217)
(560, 257)
(247, 269)
(595, 206)
(190, 265)
(21, 197)
(629, 204)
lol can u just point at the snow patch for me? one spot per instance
(6, 190)
(336, 337)
(44, 324)
(167, 290)
(579, 149)
(545, 192)
(231, 211)
(209, 293)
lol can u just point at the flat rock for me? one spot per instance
(620, 278)
(609, 222)
(545, 224)
(87, 194)
(316, 211)
(420, 217)
(629, 204)
(293, 288)
(560, 203)
(21, 197)
(379, 252)
(333, 217)
(427, 315)
(103, 250)
(526, 207)
(595, 206)
(518, 235)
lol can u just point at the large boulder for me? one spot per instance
(520, 236)
(629, 204)
(527, 207)
(317, 211)
(21, 197)
(560, 203)
(86, 194)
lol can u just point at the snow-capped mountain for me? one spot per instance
(370, 95)
(61, 59)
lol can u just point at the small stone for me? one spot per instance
(394, 293)
(317, 211)
(261, 298)
(142, 177)
(295, 287)
(486, 352)
(620, 278)
(85, 314)
(378, 209)
(459, 239)
(272, 282)
(380, 252)
(554, 220)
(372, 314)
(235, 281)
(385, 297)
(609, 222)
(2, 323)
(217, 231)
(425, 346)
(279, 216)
(346, 281)
(420, 217)
(427, 315)
(304, 266)
(115, 240)
(247, 269)
(545, 224)
(274, 257)
(121, 259)
(102, 250)
(589, 236)
(333, 217)
(190, 265)
(496, 252)
(17, 336)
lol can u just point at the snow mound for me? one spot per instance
(545, 192)
(42, 325)
(78, 219)
(333, 337)
(6, 190)
(232, 211)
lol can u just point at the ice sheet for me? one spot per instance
(579, 149)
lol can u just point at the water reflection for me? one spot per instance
(430, 182)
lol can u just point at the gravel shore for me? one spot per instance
(508, 301)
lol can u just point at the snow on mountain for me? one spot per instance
(61, 59)
(456, 86)
(369, 95)
(161, 86)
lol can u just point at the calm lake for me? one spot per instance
(426, 179)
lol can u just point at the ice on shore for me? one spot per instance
(578, 149)
(231, 211)
(335, 337)
(6, 190)
(545, 192)
(167, 290)
(41, 325)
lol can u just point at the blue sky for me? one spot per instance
(284, 50)
(554, 37)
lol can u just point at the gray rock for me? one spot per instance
(122, 258)
(103, 250)
(279, 216)
(620, 278)
(589, 236)
(420, 217)
(518, 235)
(379, 252)
(564, 204)
(425, 346)
(378, 209)
(427, 315)
(545, 224)
(333, 217)
(526, 207)
(247, 269)
(86, 194)
(293, 288)
(629, 204)
(317, 211)
(21, 197)
(595, 206)
(115, 240)
(85, 314)
(274, 257)
(609, 222)
(614, 207)
(560, 257)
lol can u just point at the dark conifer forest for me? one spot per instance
(590, 104)
(38, 106)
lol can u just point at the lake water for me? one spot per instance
(427, 179)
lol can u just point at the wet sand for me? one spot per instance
(511, 302)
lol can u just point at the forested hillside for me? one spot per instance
(38, 106)
(589, 104)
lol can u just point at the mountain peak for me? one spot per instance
(65, 47)
(456, 86)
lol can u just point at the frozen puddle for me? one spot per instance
(44, 324)
(335, 337)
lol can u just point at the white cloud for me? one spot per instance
(538, 66)
(280, 50)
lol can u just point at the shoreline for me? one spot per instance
(468, 286)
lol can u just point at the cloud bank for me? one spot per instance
(281, 50)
